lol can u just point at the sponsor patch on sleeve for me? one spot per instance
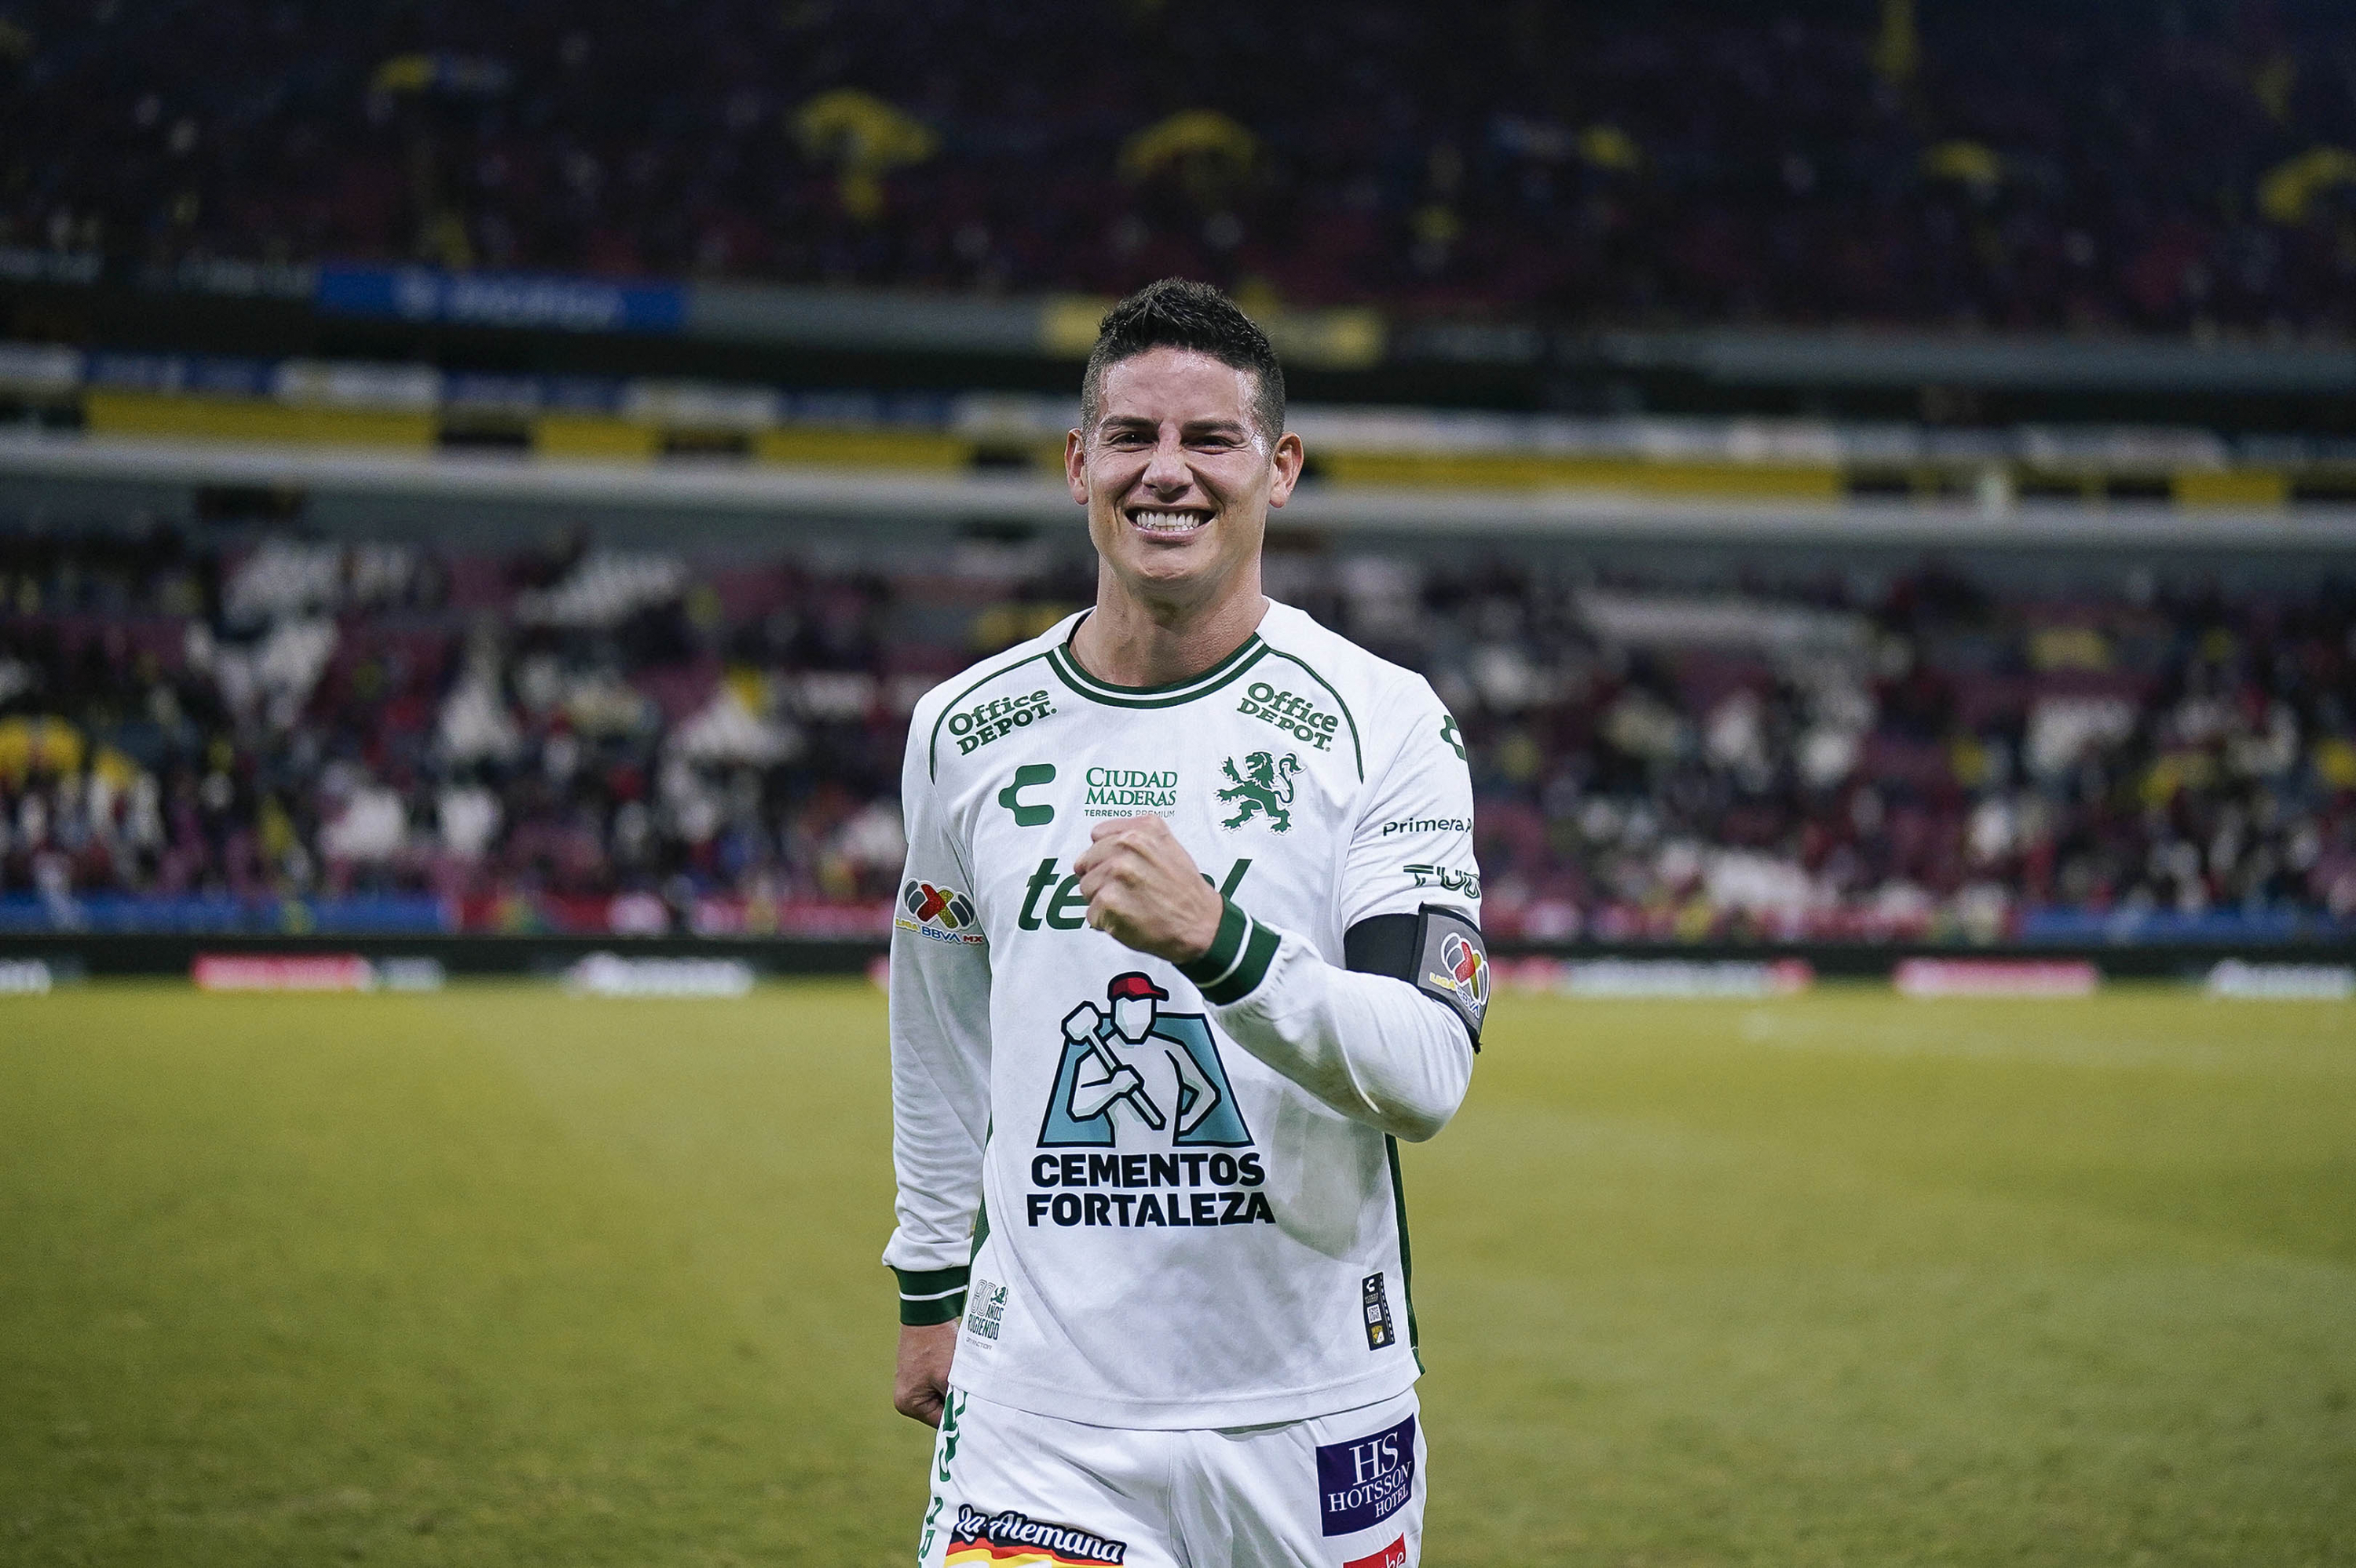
(1452, 964)
(1391, 1556)
(939, 911)
(1363, 1482)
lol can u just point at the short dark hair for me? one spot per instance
(1178, 312)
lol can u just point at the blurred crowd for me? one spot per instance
(637, 743)
(2186, 165)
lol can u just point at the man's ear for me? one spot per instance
(1286, 460)
(1076, 464)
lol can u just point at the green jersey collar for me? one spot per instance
(1067, 669)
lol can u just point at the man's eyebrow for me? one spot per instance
(1215, 422)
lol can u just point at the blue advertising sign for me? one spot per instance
(501, 299)
(208, 914)
(2128, 926)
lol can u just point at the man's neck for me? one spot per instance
(1130, 640)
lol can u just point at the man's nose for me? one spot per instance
(1168, 472)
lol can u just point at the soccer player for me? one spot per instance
(1188, 940)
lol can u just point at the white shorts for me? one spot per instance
(1010, 1489)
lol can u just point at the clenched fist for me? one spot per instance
(1144, 892)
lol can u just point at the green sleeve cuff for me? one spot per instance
(1235, 963)
(935, 1295)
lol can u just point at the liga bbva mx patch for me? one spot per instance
(1452, 964)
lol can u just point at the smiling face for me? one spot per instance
(1178, 479)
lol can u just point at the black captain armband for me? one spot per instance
(1438, 950)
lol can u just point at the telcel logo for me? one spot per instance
(1059, 906)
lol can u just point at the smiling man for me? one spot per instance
(1173, 972)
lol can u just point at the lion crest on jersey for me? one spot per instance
(1263, 788)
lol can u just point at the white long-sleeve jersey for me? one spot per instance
(1163, 1196)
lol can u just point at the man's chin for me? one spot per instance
(1175, 565)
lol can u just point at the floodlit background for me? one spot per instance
(481, 488)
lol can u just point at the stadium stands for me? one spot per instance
(403, 268)
(414, 412)
(2000, 165)
(282, 734)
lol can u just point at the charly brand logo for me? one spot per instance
(938, 911)
(1000, 716)
(1446, 877)
(1450, 733)
(1264, 788)
(1031, 776)
(1295, 715)
(1125, 791)
(1362, 1483)
(1008, 1537)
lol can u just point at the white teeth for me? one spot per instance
(1160, 522)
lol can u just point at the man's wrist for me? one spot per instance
(1236, 961)
(1205, 935)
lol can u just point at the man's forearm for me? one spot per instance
(1371, 1047)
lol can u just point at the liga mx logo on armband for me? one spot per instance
(1469, 968)
(1467, 972)
(939, 911)
(1452, 964)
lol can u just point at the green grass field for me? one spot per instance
(495, 1278)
